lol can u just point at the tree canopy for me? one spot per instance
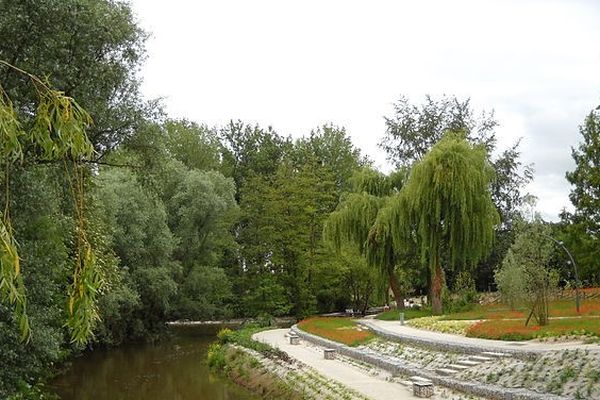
(447, 202)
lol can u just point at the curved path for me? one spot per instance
(392, 330)
(350, 376)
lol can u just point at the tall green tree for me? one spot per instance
(585, 195)
(196, 146)
(89, 49)
(43, 234)
(250, 150)
(447, 202)
(144, 245)
(282, 219)
(331, 148)
(582, 231)
(413, 129)
(285, 190)
(201, 212)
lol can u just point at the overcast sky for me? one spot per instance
(296, 65)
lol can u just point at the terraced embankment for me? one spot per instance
(490, 369)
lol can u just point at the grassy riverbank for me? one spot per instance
(269, 372)
(245, 361)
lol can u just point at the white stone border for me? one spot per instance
(446, 345)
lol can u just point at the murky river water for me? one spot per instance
(172, 370)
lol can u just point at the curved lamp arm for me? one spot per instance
(577, 282)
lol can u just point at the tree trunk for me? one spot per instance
(395, 285)
(437, 283)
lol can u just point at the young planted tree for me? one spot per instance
(446, 202)
(525, 275)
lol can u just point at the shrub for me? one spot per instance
(216, 356)
(435, 323)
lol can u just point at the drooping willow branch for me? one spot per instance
(57, 132)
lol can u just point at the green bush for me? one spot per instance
(216, 356)
(243, 337)
(463, 296)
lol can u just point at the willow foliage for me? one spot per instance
(57, 132)
(377, 184)
(447, 200)
(380, 249)
(352, 221)
(364, 218)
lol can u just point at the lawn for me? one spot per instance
(409, 313)
(343, 330)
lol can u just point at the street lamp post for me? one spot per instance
(577, 283)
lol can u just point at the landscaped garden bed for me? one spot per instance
(343, 330)
(500, 322)
(516, 329)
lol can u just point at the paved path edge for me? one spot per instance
(448, 345)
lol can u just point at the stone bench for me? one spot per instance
(294, 339)
(329, 354)
(423, 389)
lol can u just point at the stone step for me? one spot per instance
(446, 371)
(480, 358)
(417, 378)
(468, 363)
(458, 367)
(494, 354)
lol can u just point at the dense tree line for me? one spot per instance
(188, 221)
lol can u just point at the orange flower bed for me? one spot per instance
(591, 290)
(343, 330)
(588, 307)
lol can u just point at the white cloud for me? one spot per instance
(296, 65)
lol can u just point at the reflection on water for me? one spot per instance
(175, 369)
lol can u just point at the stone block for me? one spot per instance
(329, 354)
(423, 389)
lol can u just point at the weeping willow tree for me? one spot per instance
(362, 220)
(53, 131)
(446, 204)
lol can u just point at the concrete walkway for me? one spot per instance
(370, 386)
(394, 328)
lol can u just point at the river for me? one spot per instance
(174, 369)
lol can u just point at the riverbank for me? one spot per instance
(270, 372)
(266, 362)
